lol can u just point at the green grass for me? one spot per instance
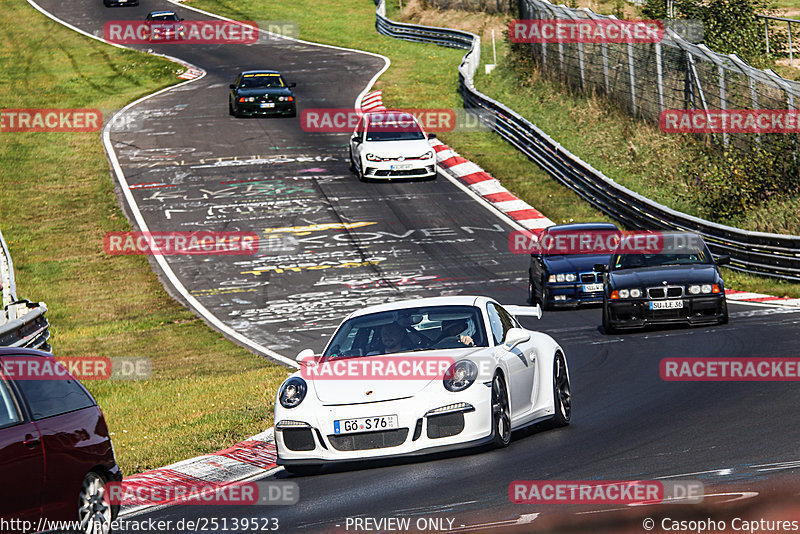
(57, 203)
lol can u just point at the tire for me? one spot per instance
(501, 413)
(562, 396)
(352, 163)
(94, 513)
(607, 323)
(303, 470)
(543, 302)
(230, 108)
(724, 319)
(532, 298)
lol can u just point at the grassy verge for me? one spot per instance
(424, 76)
(57, 203)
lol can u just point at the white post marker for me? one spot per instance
(490, 68)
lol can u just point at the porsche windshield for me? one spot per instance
(409, 329)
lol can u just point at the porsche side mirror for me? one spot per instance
(601, 267)
(305, 355)
(723, 259)
(514, 337)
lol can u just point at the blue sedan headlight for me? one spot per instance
(292, 392)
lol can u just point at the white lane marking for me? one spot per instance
(524, 519)
(718, 472)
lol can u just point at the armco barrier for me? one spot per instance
(761, 253)
(22, 323)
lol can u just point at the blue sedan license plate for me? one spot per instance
(365, 424)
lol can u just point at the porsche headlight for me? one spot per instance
(292, 392)
(460, 375)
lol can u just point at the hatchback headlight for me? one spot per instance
(460, 375)
(373, 157)
(427, 155)
(292, 392)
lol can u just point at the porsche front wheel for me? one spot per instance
(501, 414)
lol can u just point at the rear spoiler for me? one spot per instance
(524, 311)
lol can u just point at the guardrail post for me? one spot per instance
(791, 57)
(659, 78)
(766, 32)
(723, 100)
(632, 78)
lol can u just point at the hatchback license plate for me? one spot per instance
(365, 424)
(666, 304)
(401, 167)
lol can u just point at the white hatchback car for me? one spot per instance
(389, 145)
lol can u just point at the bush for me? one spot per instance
(728, 183)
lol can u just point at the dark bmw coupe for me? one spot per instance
(682, 285)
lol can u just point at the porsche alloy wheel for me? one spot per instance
(94, 512)
(501, 414)
(562, 398)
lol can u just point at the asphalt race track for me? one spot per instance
(338, 244)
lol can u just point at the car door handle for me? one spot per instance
(31, 441)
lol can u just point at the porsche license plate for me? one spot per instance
(666, 304)
(401, 167)
(365, 424)
(591, 288)
(268, 105)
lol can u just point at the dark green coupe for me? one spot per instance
(261, 92)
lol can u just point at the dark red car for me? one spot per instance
(55, 452)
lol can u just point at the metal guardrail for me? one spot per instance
(22, 323)
(773, 255)
(788, 22)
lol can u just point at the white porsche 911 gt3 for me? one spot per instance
(420, 376)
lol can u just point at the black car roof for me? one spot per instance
(15, 351)
(583, 226)
(260, 72)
